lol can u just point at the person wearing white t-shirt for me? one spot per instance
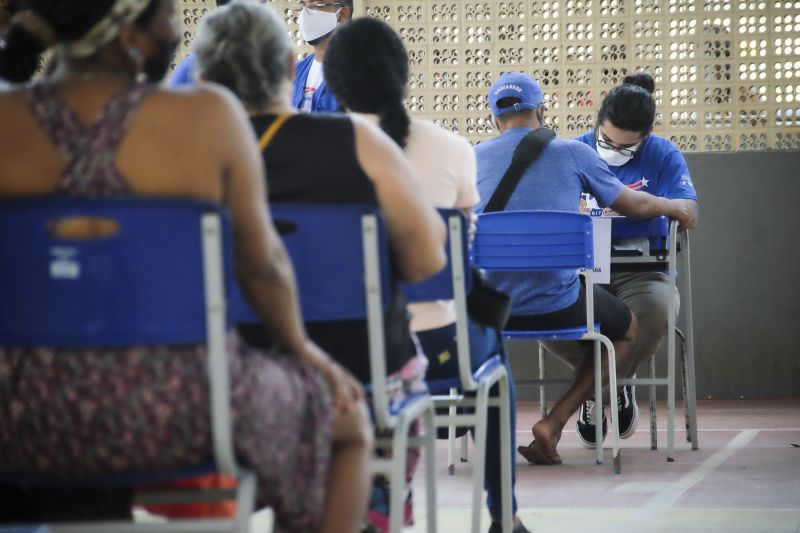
(366, 68)
(312, 84)
(317, 19)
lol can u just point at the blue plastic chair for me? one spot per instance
(452, 283)
(162, 278)
(543, 241)
(341, 259)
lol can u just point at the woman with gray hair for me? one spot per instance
(326, 158)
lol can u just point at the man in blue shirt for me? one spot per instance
(555, 181)
(317, 20)
(184, 72)
(645, 162)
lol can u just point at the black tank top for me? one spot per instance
(312, 159)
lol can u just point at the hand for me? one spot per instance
(345, 389)
(684, 214)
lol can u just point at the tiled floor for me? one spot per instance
(744, 478)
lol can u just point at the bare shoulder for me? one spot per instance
(197, 103)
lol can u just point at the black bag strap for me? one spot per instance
(526, 152)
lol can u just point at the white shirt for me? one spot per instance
(313, 81)
(446, 164)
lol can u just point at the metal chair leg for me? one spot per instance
(430, 467)
(506, 461)
(653, 420)
(684, 386)
(542, 377)
(614, 407)
(671, 324)
(690, 399)
(598, 404)
(451, 436)
(689, 394)
(397, 477)
(479, 462)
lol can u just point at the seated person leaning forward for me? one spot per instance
(552, 300)
(643, 161)
(298, 419)
(319, 158)
(368, 49)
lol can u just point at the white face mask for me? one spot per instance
(315, 24)
(614, 158)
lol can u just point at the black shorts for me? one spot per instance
(612, 314)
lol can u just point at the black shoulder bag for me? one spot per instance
(486, 305)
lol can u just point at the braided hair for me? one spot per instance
(366, 69)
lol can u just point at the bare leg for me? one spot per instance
(547, 431)
(350, 480)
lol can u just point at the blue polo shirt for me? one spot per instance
(322, 101)
(657, 168)
(554, 182)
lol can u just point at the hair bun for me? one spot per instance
(640, 79)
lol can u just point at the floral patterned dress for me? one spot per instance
(75, 413)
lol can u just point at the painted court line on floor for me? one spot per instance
(661, 502)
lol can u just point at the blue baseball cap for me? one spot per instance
(515, 85)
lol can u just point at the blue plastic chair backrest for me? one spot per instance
(533, 241)
(325, 245)
(440, 285)
(141, 285)
(656, 229)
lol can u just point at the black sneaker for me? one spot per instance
(628, 412)
(585, 424)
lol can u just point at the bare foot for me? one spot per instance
(534, 454)
(546, 435)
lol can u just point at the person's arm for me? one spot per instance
(416, 231)
(677, 182)
(694, 212)
(638, 204)
(263, 267)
